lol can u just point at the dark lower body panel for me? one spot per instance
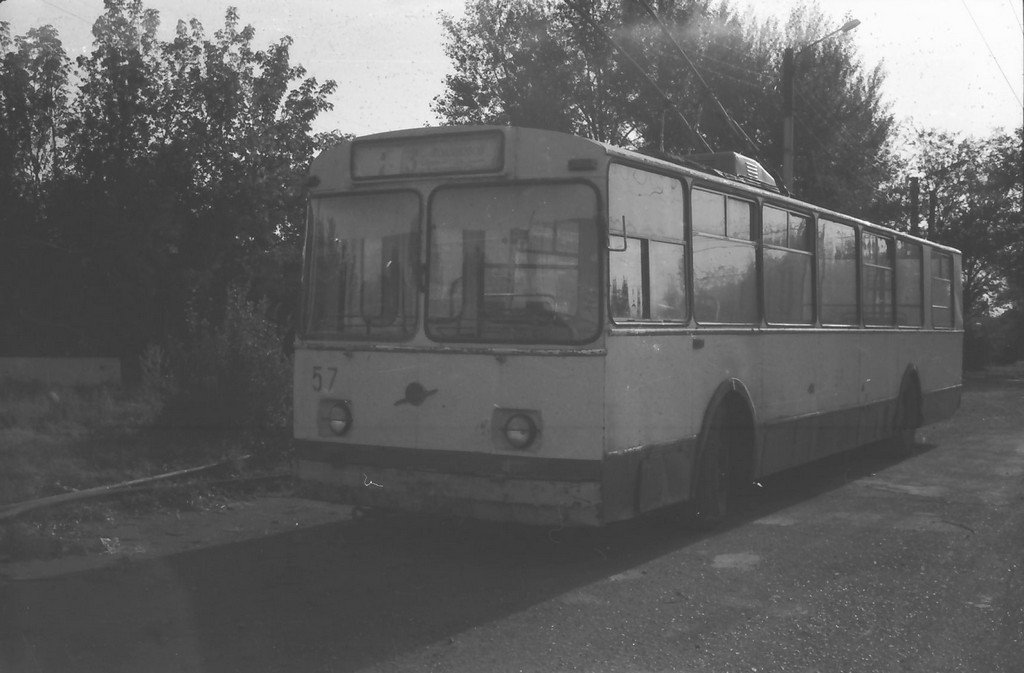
(620, 485)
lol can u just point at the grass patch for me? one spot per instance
(56, 440)
(72, 411)
(49, 435)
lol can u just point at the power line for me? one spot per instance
(739, 80)
(643, 72)
(755, 73)
(732, 123)
(68, 12)
(992, 54)
(840, 128)
(1017, 18)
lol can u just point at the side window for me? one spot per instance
(909, 285)
(647, 266)
(942, 290)
(625, 282)
(788, 267)
(877, 255)
(724, 259)
(837, 266)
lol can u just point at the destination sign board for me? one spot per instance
(451, 153)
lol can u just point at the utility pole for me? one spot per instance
(932, 203)
(787, 118)
(788, 99)
(915, 196)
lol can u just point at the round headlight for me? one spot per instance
(339, 418)
(520, 431)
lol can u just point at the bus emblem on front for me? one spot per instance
(415, 394)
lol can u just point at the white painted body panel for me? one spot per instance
(566, 390)
(648, 390)
(659, 387)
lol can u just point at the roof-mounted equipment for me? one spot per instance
(736, 166)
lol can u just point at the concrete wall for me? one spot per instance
(62, 371)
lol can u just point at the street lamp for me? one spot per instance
(787, 92)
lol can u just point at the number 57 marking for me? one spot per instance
(323, 378)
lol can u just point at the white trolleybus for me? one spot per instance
(522, 325)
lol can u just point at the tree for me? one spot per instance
(844, 129)
(972, 192)
(182, 169)
(976, 186)
(33, 106)
(674, 75)
(525, 63)
(34, 71)
(241, 141)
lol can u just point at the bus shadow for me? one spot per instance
(350, 594)
(808, 481)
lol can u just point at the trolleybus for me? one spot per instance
(523, 325)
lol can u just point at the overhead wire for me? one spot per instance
(68, 12)
(734, 78)
(1015, 17)
(816, 107)
(992, 54)
(842, 139)
(840, 129)
(665, 97)
(760, 75)
(733, 125)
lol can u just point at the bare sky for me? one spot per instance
(955, 65)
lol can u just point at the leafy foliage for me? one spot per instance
(977, 187)
(146, 179)
(657, 76)
(33, 89)
(971, 196)
(233, 374)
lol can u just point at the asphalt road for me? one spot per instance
(869, 561)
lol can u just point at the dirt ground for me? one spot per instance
(121, 537)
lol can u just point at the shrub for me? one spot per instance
(234, 375)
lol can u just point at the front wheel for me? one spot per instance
(712, 502)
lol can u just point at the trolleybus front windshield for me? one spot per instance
(513, 264)
(362, 266)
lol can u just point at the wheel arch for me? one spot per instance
(910, 391)
(733, 398)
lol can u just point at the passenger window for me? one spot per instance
(837, 262)
(647, 274)
(724, 260)
(909, 286)
(668, 282)
(877, 256)
(788, 268)
(738, 218)
(942, 290)
(625, 280)
(708, 213)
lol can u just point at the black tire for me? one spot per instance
(908, 418)
(711, 505)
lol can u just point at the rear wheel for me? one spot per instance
(908, 418)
